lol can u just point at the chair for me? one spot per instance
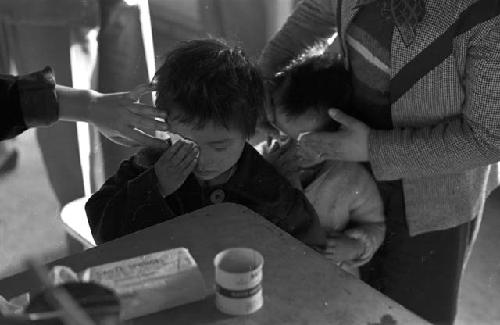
(75, 222)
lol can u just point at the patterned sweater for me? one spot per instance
(445, 144)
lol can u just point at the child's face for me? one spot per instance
(311, 121)
(219, 147)
(293, 127)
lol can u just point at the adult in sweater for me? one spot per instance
(432, 149)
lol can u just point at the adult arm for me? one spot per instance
(311, 21)
(454, 145)
(118, 116)
(35, 100)
(458, 144)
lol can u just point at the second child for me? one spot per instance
(343, 194)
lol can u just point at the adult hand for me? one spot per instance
(121, 118)
(174, 166)
(349, 143)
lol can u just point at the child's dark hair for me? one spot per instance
(314, 81)
(211, 82)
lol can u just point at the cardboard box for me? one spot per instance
(152, 282)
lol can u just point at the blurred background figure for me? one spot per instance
(103, 45)
(42, 33)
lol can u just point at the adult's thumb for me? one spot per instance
(342, 118)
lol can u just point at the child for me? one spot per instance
(343, 194)
(212, 95)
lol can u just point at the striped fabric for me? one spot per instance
(445, 144)
(369, 46)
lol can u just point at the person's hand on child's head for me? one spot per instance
(342, 249)
(121, 118)
(175, 164)
(349, 143)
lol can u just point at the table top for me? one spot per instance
(300, 286)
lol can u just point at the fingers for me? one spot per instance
(172, 150)
(320, 142)
(189, 162)
(331, 251)
(274, 146)
(146, 110)
(179, 152)
(148, 125)
(186, 152)
(188, 168)
(139, 91)
(123, 141)
(342, 118)
(138, 139)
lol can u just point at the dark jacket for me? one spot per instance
(130, 200)
(27, 100)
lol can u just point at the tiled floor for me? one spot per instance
(29, 226)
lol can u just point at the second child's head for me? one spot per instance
(305, 90)
(213, 95)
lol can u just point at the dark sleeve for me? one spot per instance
(294, 214)
(129, 201)
(273, 197)
(27, 100)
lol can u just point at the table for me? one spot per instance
(300, 286)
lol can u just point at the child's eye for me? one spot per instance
(220, 149)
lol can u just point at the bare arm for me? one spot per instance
(311, 21)
(117, 115)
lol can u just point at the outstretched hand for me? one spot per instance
(121, 118)
(349, 143)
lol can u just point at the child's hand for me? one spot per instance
(147, 157)
(343, 249)
(176, 163)
(284, 159)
